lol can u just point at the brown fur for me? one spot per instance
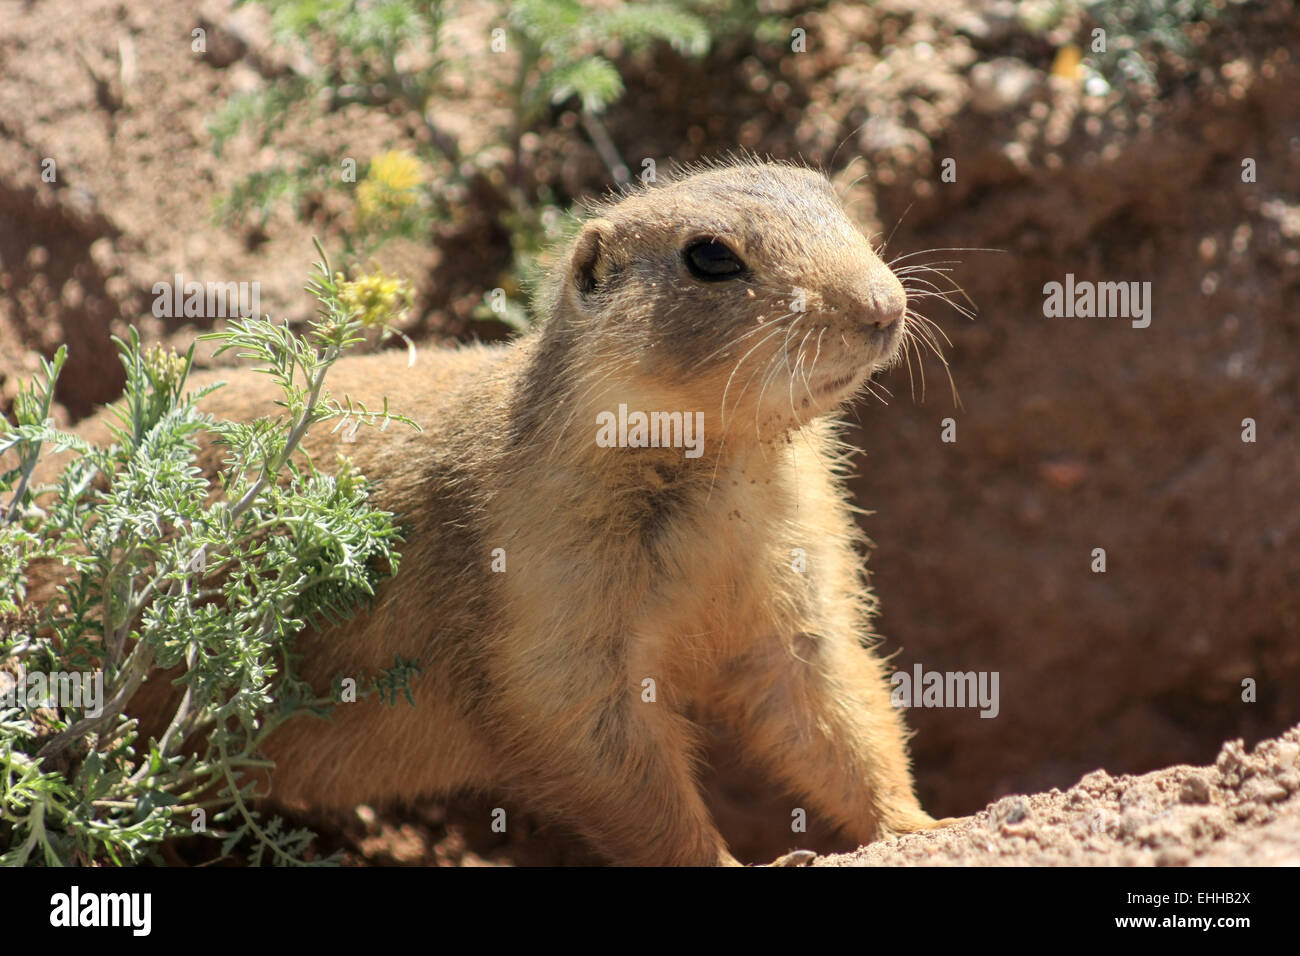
(625, 563)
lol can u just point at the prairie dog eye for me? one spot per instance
(712, 261)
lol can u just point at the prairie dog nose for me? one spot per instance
(882, 303)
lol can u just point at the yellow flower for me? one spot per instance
(1067, 62)
(165, 367)
(389, 187)
(375, 298)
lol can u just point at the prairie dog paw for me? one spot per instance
(922, 822)
(946, 822)
(795, 858)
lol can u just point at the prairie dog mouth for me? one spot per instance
(827, 387)
(839, 383)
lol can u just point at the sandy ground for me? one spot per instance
(1242, 810)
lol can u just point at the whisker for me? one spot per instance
(923, 252)
(737, 368)
(740, 338)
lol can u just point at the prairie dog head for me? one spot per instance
(743, 291)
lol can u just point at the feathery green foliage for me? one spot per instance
(164, 567)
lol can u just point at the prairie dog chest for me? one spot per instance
(720, 568)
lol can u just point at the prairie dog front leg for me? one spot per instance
(618, 769)
(815, 710)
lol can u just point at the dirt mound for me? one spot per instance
(1243, 810)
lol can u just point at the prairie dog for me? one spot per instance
(716, 575)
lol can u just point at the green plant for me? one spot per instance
(561, 55)
(1137, 28)
(392, 55)
(383, 54)
(1137, 32)
(163, 566)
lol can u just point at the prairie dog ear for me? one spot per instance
(589, 263)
